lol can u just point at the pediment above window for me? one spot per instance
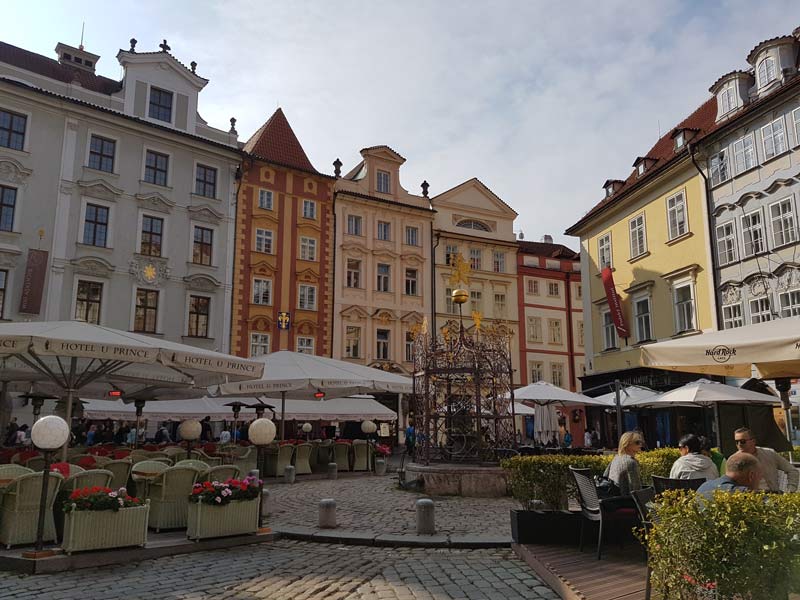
(308, 275)
(12, 171)
(206, 214)
(100, 189)
(262, 267)
(203, 283)
(354, 312)
(156, 202)
(93, 265)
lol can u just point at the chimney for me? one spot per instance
(547, 238)
(76, 57)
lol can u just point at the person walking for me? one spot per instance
(411, 439)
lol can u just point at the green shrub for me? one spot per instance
(736, 546)
(796, 453)
(656, 462)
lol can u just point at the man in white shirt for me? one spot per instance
(770, 462)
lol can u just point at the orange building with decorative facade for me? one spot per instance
(282, 290)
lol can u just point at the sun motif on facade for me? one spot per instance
(149, 273)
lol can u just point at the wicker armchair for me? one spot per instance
(19, 509)
(220, 473)
(13, 471)
(361, 455)
(198, 465)
(169, 497)
(324, 452)
(246, 458)
(35, 463)
(121, 470)
(210, 460)
(174, 451)
(78, 481)
(285, 454)
(75, 459)
(302, 462)
(341, 456)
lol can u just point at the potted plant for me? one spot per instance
(99, 517)
(218, 509)
(381, 452)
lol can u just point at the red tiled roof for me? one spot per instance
(382, 146)
(276, 142)
(702, 120)
(549, 250)
(48, 67)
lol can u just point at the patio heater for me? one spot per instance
(190, 430)
(139, 404)
(261, 433)
(48, 434)
(37, 400)
(236, 405)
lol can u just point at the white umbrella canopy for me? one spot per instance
(545, 423)
(629, 395)
(704, 392)
(543, 393)
(523, 410)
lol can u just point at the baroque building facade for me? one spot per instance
(116, 196)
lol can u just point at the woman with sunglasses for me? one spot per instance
(624, 469)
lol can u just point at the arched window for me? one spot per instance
(766, 71)
(473, 224)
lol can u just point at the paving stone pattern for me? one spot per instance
(289, 570)
(376, 504)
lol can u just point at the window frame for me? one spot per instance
(771, 135)
(156, 169)
(727, 93)
(557, 288)
(450, 252)
(308, 248)
(141, 241)
(796, 124)
(268, 288)
(202, 245)
(386, 344)
(355, 220)
(674, 209)
(5, 276)
(474, 225)
(357, 274)
(500, 305)
(267, 194)
(348, 347)
(643, 226)
(600, 250)
(306, 296)
(381, 177)
(731, 318)
(557, 368)
(411, 287)
(383, 280)
(533, 325)
(476, 301)
(157, 308)
(308, 346)
(764, 62)
(268, 239)
(555, 332)
(745, 152)
(761, 314)
(748, 231)
(638, 318)
(204, 182)
(793, 229)
(190, 321)
(721, 172)
(90, 153)
(26, 116)
(676, 286)
(792, 308)
(85, 221)
(476, 259)
(77, 300)
(733, 237)
(606, 326)
(383, 231)
(312, 213)
(537, 370)
(498, 261)
(11, 206)
(412, 240)
(150, 90)
(260, 343)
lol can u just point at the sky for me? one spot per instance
(541, 101)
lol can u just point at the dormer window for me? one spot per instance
(680, 140)
(611, 186)
(640, 169)
(727, 99)
(384, 182)
(160, 105)
(609, 190)
(767, 72)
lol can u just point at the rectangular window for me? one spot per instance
(101, 154)
(3, 288)
(305, 345)
(308, 248)
(450, 254)
(409, 347)
(412, 236)
(580, 333)
(796, 119)
(87, 302)
(309, 209)
(205, 181)
(609, 331)
(782, 220)
(579, 291)
(411, 282)
(753, 233)
(384, 182)
(450, 306)
(95, 226)
(790, 303)
(641, 309)
(638, 236)
(553, 289)
(12, 130)
(152, 234)
(352, 343)
(384, 275)
(8, 205)
(307, 297)
(760, 310)
(160, 105)
(499, 262)
(726, 243)
(156, 167)
(773, 137)
(533, 287)
(534, 326)
(382, 344)
(146, 314)
(264, 241)
(499, 306)
(744, 153)
(732, 316)
(476, 301)
(203, 246)
(265, 200)
(684, 308)
(604, 251)
(676, 213)
(554, 328)
(259, 344)
(354, 225)
(727, 99)
(718, 167)
(199, 313)
(262, 291)
(475, 259)
(557, 374)
(353, 273)
(537, 372)
(384, 231)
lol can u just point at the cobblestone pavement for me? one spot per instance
(288, 570)
(376, 504)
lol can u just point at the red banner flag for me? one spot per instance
(614, 303)
(33, 282)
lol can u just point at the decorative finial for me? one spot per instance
(461, 271)
(233, 125)
(164, 47)
(193, 64)
(133, 45)
(425, 185)
(337, 168)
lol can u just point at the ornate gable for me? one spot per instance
(262, 267)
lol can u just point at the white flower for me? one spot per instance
(122, 491)
(218, 499)
(112, 494)
(121, 501)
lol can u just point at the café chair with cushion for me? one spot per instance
(169, 497)
(285, 454)
(360, 455)
(595, 510)
(76, 459)
(313, 460)
(78, 481)
(121, 471)
(662, 484)
(199, 465)
(19, 509)
(341, 455)
(220, 473)
(302, 459)
(21, 457)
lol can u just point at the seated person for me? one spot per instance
(715, 455)
(624, 469)
(743, 474)
(692, 464)
(771, 462)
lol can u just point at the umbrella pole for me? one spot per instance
(68, 419)
(783, 385)
(618, 403)
(719, 428)
(283, 416)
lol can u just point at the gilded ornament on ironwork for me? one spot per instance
(461, 271)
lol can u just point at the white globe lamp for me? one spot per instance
(368, 427)
(307, 428)
(190, 430)
(262, 432)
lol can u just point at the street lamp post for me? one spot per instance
(307, 427)
(189, 430)
(261, 433)
(139, 404)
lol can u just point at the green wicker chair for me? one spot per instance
(169, 497)
(13, 471)
(246, 458)
(341, 456)
(78, 481)
(19, 509)
(220, 473)
(361, 455)
(324, 454)
(210, 460)
(302, 464)
(138, 456)
(121, 469)
(76, 458)
(197, 465)
(285, 454)
(313, 460)
(175, 451)
(35, 463)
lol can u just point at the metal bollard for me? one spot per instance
(327, 514)
(333, 471)
(425, 519)
(265, 506)
(288, 474)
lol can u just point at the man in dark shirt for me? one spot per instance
(742, 474)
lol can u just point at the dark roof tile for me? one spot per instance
(276, 142)
(549, 250)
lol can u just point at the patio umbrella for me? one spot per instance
(299, 375)
(704, 392)
(544, 393)
(628, 395)
(74, 356)
(545, 423)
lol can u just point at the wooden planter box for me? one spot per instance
(545, 526)
(235, 518)
(100, 529)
